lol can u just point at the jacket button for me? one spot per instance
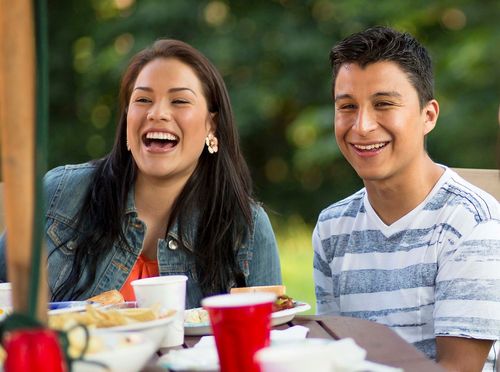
(172, 244)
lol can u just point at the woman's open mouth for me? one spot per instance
(160, 141)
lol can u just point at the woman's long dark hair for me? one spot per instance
(218, 192)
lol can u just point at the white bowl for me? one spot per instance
(5, 299)
(128, 358)
(154, 330)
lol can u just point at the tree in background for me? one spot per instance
(274, 58)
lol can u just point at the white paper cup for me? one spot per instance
(5, 299)
(316, 355)
(170, 293)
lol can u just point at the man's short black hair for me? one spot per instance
(379, 44)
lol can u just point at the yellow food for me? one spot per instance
(278, 290)
(95, 318)
(196, 316)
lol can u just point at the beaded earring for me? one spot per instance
(212, 143)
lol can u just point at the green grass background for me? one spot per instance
(296, 255)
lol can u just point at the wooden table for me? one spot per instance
(381, 343)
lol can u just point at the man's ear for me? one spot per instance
(431, 113)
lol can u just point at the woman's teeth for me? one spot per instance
(161, 136)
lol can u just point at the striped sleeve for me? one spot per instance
(468, 285)
(323, 282)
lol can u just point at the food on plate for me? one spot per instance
(197, 315)
(282, 302)
(278, 290)
(95, 318)
(108, 298)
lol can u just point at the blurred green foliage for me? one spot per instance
(274, 58)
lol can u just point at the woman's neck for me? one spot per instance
(155, 198)
(153, 202)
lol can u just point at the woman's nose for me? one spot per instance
(159, 111)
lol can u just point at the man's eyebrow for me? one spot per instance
(171, 90)
(342, 96)
(391, 93)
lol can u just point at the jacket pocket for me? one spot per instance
(61, 245)
(243, 258)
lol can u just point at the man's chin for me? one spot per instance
(371, 175)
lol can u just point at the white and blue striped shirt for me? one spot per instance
(434, 272)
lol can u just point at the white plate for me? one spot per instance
(277, 318)
(69, 306)
(126, 358)
(284, 316)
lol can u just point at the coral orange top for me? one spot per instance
(143, 268)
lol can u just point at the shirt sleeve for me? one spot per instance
(468, 285)
(323, 280)
(264, 266)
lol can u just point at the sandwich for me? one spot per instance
(108, 298)
(282, 302)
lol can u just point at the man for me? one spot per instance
(418, 248)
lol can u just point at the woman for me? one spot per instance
(172, 197)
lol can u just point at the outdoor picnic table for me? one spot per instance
(381, 343)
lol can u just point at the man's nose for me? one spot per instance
(365, 123)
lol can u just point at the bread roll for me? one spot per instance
(278, 290)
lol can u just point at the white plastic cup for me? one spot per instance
(5, 299)
(170, 293)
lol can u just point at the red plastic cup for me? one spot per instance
(241, 324)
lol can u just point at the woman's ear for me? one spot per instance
(212, 125)
(431, 113)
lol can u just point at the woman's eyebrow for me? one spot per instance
(171, 90)
(147, 89)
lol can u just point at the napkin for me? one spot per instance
(318, 355)
(277, 336)
(290, 351)
(203, 355)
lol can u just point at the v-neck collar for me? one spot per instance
(407, 219)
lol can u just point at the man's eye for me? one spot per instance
(383, 104)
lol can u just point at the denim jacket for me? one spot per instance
(66, 186)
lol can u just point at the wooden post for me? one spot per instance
(17, 119)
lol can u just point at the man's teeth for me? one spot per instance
(371, 147)
(161, 136)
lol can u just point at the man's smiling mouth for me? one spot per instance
(370, 147)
